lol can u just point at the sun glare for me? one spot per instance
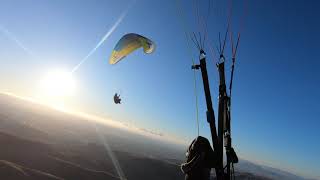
(58, 83)
(56, 88)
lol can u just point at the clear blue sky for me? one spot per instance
(275, 97)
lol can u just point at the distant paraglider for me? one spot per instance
(126, 45)
(129, 43)
(117, 99)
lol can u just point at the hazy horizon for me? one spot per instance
(175, 148)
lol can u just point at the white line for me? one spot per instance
(104, 38)
(12, 37)
(114, 159)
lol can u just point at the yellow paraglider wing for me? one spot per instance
(129, 43)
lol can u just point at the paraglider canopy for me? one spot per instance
(117, 99)
(129, 43)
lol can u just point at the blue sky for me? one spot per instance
(276, 85)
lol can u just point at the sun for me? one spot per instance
(56, 89)
(57, 83)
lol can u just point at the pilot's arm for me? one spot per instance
(195, 161)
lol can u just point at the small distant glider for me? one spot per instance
(117, 99)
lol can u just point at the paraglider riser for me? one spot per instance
(216, 142)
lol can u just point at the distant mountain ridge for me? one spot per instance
(266, 171)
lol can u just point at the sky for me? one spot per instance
(275, 93)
